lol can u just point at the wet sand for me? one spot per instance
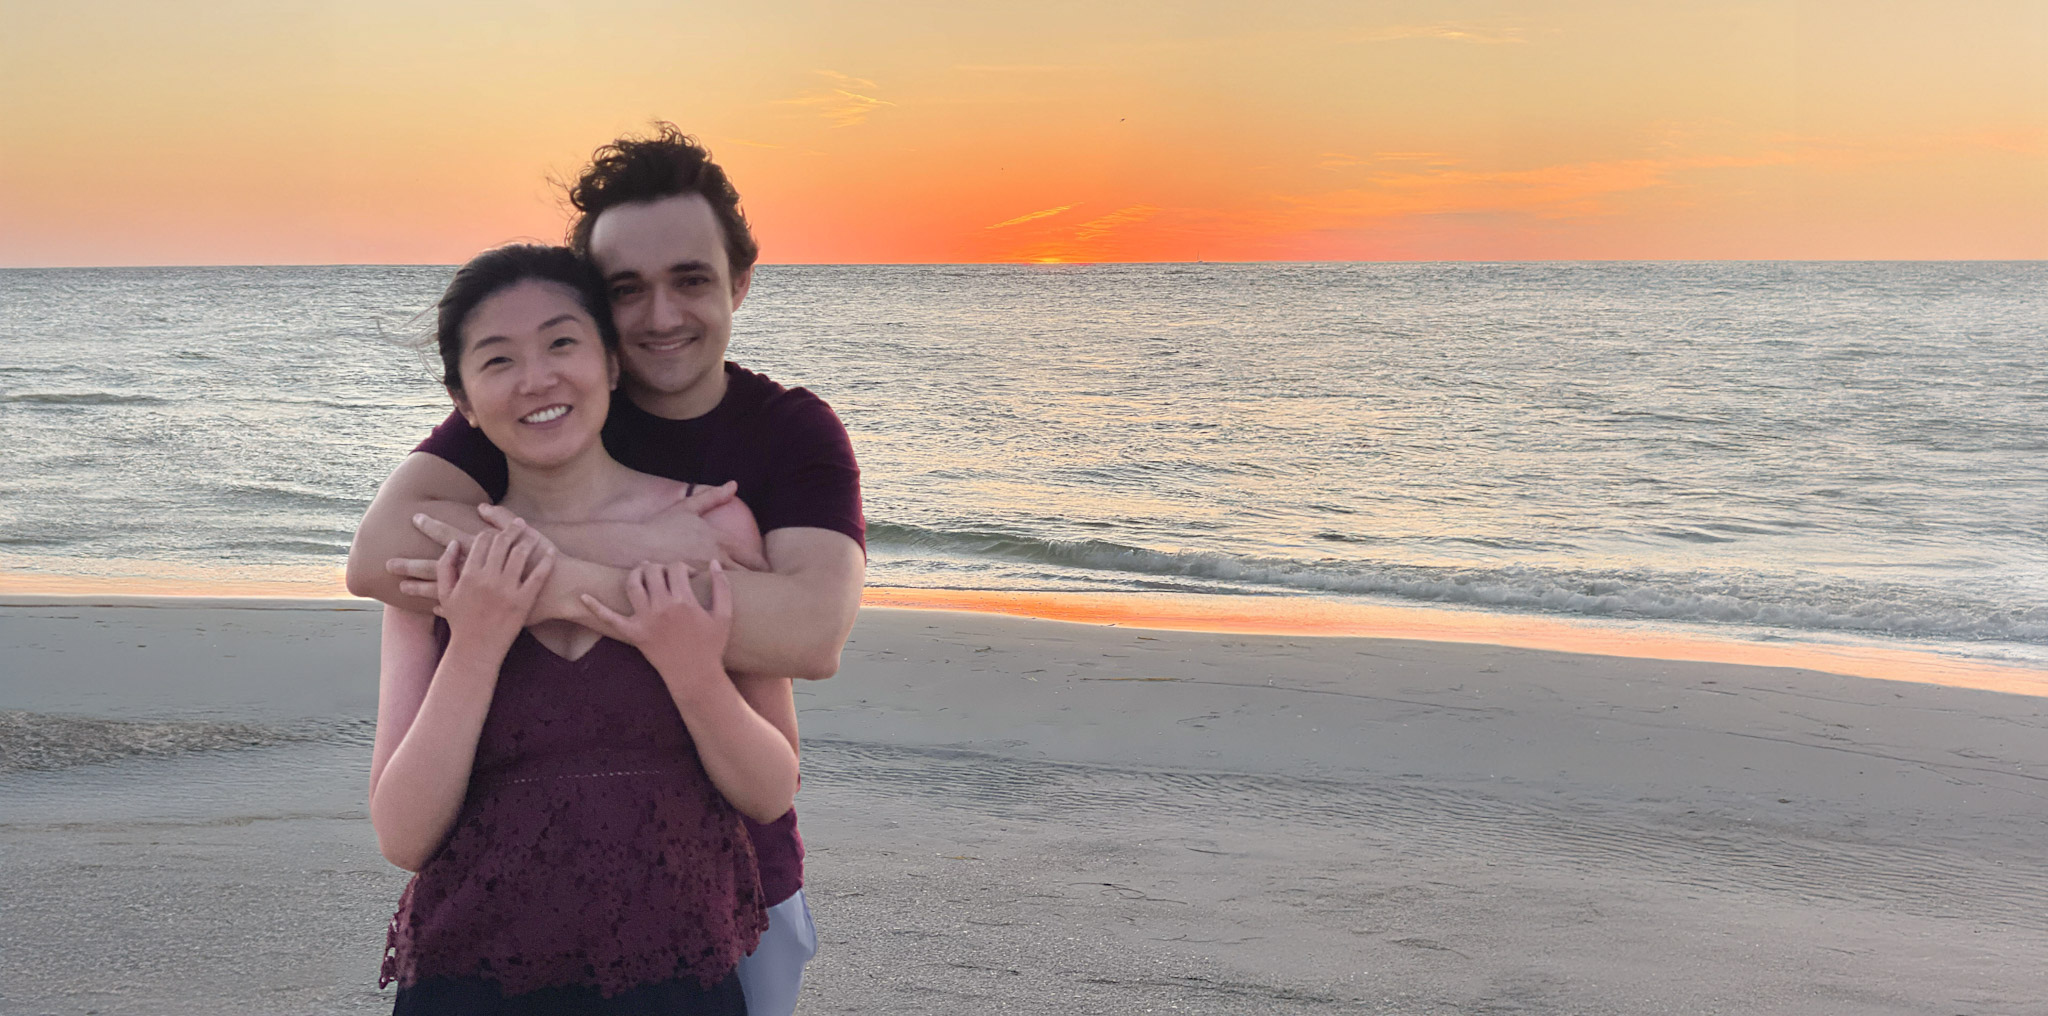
(1028, 816)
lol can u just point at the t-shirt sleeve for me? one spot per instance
(817, 483)
(470, 451)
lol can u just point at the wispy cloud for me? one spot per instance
(1105, 237)
(1044, 213)
(841, 103)
(1569, 190)
(844, 80)
(1399, 184)
(1448, 31)
(1346, 160)
(1096, 228)
(1015, 68)
(2022, 141)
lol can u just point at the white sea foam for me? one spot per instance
(1798, 602)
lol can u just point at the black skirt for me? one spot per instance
(472, 996)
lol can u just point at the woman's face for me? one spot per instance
(536, 378)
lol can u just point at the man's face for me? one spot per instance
(672, 293)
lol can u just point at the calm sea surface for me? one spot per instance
(1818, 451)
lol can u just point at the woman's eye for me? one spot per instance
(495, 361)
(566, 340)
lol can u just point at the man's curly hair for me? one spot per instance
(664, 165)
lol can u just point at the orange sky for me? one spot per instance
(273, 131)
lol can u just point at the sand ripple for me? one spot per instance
(40, 741)
(1948, 880)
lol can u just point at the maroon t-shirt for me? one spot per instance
(794, 465)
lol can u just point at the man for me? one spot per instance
(663, 225)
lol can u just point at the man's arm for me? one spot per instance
(427, 484)
(793, 619)
(423, 483)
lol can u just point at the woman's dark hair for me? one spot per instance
(670, 163)
(501, 268)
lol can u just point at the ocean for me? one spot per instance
(1813, 452)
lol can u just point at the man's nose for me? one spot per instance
(664, 311)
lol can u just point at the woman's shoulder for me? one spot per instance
(660, 490)
(656, 499)
(648, 496)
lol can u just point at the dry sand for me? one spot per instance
(1018, 816)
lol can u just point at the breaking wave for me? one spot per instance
(1773, 601)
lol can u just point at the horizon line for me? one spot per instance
(1071, 264)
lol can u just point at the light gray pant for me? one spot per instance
(773, 975)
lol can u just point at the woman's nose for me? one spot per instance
(536, 376)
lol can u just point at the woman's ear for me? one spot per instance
(462, 405)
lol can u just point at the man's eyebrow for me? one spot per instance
(628, 274)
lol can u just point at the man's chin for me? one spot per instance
(666, 381)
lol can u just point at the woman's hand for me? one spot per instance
(750, 760)
(487, 591)
(681, 638)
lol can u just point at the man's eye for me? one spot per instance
(622, 292)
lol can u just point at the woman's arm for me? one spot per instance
(775, 700)
(429, 714)
(749, 760)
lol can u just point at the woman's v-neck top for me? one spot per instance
(591, 849)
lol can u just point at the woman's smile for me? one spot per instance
(541, 417)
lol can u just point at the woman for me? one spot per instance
(567, 799)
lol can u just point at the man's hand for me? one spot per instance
(420, 576)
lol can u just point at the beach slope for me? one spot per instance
(1026, 816)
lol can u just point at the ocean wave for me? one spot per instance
(83, 399)
(281, 496)
(1746, 599)
(41, 741)
(290, 547)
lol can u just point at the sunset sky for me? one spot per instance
(375, 131)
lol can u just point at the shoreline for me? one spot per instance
(1223, 615)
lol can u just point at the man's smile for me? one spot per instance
(667, 345)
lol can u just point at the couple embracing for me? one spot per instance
(602, 573)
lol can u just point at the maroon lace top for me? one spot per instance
(592, 848)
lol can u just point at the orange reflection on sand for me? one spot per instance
(234, 586)
(1290, 616)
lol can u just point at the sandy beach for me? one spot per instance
(1011, 815)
